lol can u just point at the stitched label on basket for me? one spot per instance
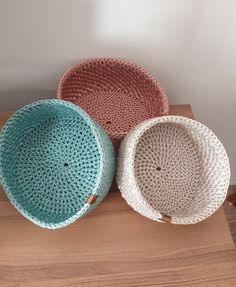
(166, 218)
(92, 199)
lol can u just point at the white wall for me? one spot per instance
(190, 45)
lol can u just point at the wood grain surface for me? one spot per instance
(230, 212)
(115, 246)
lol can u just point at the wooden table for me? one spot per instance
(115, 246)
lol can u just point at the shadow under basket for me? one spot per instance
(173, 169)
(116, 93)
(56, 163)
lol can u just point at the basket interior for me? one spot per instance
(50, 162)
(117, 94)
(168, 168)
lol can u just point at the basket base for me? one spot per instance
(167, 167)
(117, 112)
(56, 169)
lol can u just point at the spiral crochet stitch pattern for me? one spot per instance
(173, 169)
(116, 93)
(56, 163)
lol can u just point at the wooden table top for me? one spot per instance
(115, 246)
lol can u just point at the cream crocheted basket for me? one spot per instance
(173, 169)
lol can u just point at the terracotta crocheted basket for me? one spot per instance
(116, 93)
(56, 163)
(173, 169)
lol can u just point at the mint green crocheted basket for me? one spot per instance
(56, 163)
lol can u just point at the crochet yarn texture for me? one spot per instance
(54, 162)
(173, 169)
(116, 93)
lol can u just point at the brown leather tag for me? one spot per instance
(166, 218)
(91, 199)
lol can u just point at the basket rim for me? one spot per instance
(132, 139)
(91, 60)
(86, 207)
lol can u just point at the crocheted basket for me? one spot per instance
(116, 93)
(173, 169)
(56, 163)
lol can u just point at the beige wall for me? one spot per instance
(190, 45)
